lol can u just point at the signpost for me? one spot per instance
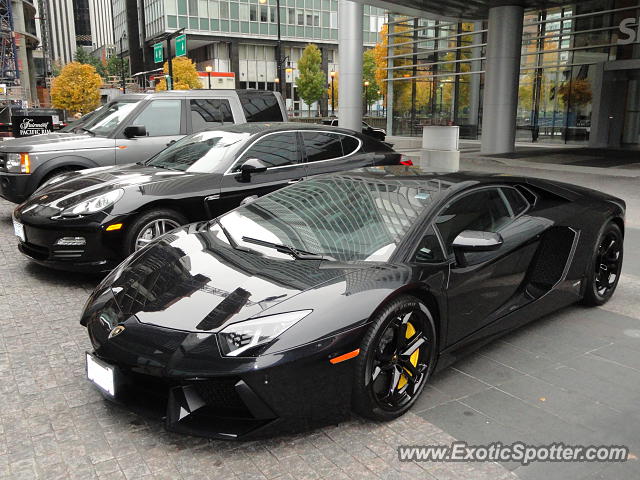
(158, 53)
(181, 45)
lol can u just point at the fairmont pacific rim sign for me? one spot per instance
(629, 31)
(25, 126)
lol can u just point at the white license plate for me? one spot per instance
(101, 374)
(18, 228)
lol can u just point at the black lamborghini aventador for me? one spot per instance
(342, 293)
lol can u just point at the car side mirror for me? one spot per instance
(475, 241)
(135, 131)
(250, 167)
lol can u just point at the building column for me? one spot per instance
(350, 51)
(234, 59)
(502, 77)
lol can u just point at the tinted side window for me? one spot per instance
(161, 117)
(321, 146)
(209, 113)
(349, 144)
(429, 250)
(518, 203)
(275, 150)
(484, 210)
(260, 107)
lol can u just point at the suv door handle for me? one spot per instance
(295, 180)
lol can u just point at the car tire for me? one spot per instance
(606, 265)
(384, 387)
(170, 218)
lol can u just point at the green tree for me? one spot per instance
(311, 82)
(185, 75)
(77, 88)
(115, 64)
(83, 57)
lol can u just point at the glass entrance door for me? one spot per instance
(631, 128)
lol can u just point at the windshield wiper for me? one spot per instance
(86, 130)
(294, 252)
(232, 242)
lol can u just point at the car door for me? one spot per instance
(164, 121)
(480, 289)
(327, 152)
(279, 152)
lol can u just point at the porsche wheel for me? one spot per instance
(149, 226)
(399, 356)
(606, 266)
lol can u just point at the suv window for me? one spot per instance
(260, 107)
(321, 146)
(161, 117)
(276, 150)
(484, 210)
(207, 113)
(517, 202)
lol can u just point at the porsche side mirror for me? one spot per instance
(135, 131)
(250, 167)
(475, 241)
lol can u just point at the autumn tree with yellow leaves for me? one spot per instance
(77, 88)
(185, 75)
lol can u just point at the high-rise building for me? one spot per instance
(239, 35)
(78, 23)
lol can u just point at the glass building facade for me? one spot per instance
(580, 65)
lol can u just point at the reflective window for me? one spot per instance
(321, 146)
(517, 202)
(349, 144)
(160, 117)
(429, 249)
(105, 120)
(208, 113)
(276, 150)
(260, 107)
(483, 211)
(201, 152)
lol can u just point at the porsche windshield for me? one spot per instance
(201, 152)
(342, 218)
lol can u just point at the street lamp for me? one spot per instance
(332, 74)
(276, 82)
(123, 37)
(366, 97)
(379, 92)
(209, 69)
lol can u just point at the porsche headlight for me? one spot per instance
(242, 337)
(94, 204)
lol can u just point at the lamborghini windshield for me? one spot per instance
(343, 218)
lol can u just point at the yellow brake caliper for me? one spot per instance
(411, 331)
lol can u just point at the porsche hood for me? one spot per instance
(79, 186)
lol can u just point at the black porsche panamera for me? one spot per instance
(91, 219)
(342, 293)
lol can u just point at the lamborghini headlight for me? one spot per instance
(94, 204)
(242, 337)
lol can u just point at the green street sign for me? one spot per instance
(181, 45)
(158, 52)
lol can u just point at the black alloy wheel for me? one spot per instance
(606, 266)
(399, 353)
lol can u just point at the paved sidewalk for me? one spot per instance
(54, 425)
